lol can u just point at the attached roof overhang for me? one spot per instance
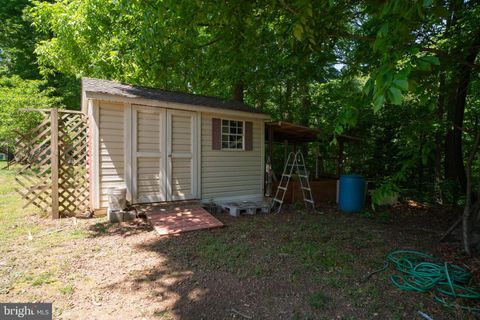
(295, 133)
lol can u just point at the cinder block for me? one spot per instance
(233, 211)
(115, 216)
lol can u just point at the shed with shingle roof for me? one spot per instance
(163, 146)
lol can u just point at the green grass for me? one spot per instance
(41, 279)
(318, 300)
(223, 251)
(12, 214)
(31, 260)
(68, 289)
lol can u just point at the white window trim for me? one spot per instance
(221, 135)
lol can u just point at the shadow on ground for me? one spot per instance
(289, 266)
(124, 229)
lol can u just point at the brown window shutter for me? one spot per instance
(248, 136)
(216, 134)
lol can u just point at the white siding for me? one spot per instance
(231, 173)
(222, 174)
(111, 148)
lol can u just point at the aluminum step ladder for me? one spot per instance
(295, 161)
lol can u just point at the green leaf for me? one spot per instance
(367, 89)
(309, 11)
(401, 84)
(412, 84)
(298, 31)
(395, 95)
(423, 65)
(427, 3)
(378, 103)
(431, 59)
(383, 31)
(404, 73)
(334, 141)
(413, 50)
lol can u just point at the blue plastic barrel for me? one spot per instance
(351, 196)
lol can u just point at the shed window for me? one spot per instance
(232, 135)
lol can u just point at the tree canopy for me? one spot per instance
(402, 75)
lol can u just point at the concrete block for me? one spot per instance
(115, 216)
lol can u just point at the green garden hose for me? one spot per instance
(421, 272)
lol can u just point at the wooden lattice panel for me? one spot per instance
(73, 189)
(34, 154)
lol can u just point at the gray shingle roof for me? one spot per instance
(131, 91)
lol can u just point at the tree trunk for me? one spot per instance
(438, 139)
(287, 113)
(237, 91)
(467, 211)
(454, 165)
(305, 104)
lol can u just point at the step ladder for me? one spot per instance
(295, 161)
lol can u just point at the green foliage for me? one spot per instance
(17, 40)
(201, 47)
(386, 191)
(17, 93)
(368, 69)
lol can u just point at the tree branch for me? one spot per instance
(289, 9)
(210, 42)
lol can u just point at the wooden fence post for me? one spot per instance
(54, 161)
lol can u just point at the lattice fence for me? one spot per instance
(53, 164)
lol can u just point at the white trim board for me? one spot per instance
(262, 156)
(127, 140)
(198, 186)
(94, 111)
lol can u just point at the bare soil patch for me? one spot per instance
(293, 265)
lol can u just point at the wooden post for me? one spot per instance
(340, 158)
(267, 186)
(54, 161)
(270, 143)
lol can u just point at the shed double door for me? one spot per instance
(164, 154)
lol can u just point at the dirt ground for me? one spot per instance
(294, 265)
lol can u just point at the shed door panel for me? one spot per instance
(149, 154)
(181, 155)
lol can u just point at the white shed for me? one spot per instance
(164, 146)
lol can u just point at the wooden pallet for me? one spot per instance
(244, 207)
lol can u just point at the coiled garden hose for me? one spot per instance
(421, 272)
